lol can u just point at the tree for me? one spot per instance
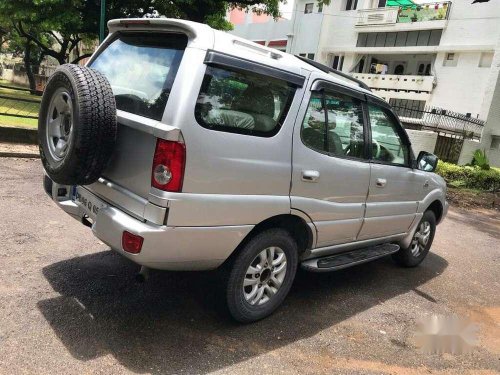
(57, 27)
(52, 25)
(69, 21)
(11, 42)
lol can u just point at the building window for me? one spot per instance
(450, 59)
(351, 4)
(302, 54)
(309, 8)
(310, 56)
(399, 69)
(361, 66)
(495, 142)
(338, 62)
(486, 59)
(320, 7)
(400, 39)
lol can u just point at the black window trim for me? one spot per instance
(216, 58)
(320, 84)
(120, 33)
(339, 89)
(399, 129)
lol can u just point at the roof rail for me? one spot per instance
(327, 69)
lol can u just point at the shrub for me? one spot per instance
(480, 159)
(471, 177)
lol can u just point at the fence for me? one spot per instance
(18, 102)
(439, 120)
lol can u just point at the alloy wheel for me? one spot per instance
(420, 238)
(265, 276)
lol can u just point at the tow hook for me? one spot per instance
(143, 275)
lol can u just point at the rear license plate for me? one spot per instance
(87, 201)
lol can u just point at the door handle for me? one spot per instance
(381, 182)
(310, 176)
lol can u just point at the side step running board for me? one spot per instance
(349, 259)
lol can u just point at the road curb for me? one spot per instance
(18, 135)
(24, 155)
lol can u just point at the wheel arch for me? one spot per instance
(437, 208)
(295, 225)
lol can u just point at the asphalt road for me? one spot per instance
(69, 305)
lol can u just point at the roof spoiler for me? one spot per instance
(327, 69)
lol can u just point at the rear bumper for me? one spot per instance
(169, 248)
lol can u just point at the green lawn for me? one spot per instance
(8, 104)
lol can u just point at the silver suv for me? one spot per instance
(222, 153)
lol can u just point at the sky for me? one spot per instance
(286, 9)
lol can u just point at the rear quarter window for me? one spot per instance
(141, 69)
(243, 102)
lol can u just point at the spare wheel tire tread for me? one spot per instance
(94, 125)
(97, 107)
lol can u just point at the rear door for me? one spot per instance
(395, 188)
(141, 68)
(330, 174)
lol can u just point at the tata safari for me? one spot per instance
(186, 148)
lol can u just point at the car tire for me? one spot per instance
(77, 125)
(268, 277)
(420, 244)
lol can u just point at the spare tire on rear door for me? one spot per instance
(76, 125)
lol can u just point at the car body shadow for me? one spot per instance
(175, 322)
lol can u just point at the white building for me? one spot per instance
(444, 54)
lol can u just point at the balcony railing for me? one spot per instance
(410, 14)
(440, 120)
(397, 82)
(379, 16)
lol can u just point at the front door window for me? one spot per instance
(387, 145)
(338, 130)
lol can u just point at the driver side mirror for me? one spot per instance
(426, 161)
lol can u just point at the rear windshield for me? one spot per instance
(141, 69)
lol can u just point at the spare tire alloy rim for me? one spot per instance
(420, 238)
(59, 123)
(265, 276)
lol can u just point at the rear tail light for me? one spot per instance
(132, 243)
(168, 165)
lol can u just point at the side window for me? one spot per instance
(387, 145)
(242, 102)
(344, 134)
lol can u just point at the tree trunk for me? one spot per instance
(28, 67)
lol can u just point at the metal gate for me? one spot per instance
(448, 147)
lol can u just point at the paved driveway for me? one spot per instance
(70, 305)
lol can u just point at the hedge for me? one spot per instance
(469, 177)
